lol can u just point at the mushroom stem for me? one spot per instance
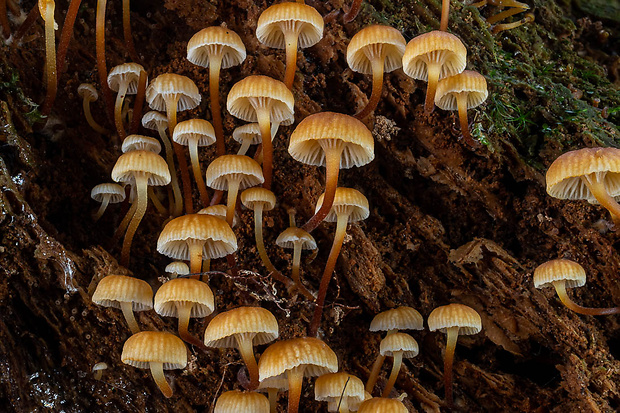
(445, 12)
(118, 110)
(341, 230)
(127, 308)
(505, 14)
(264, 124)
(184, 311)
(461, 103)
(273, 400)
(215, 63)
(89, 118)
(100, 52)
(156, 202)
(50, 56)
(178, 198)
(353, 11)
(141, 203)
(344, 405)
(157, 370)
(124, 223)
(244, 344)
(295, 381)
(295, 273)
(244, 147)
(377, 59)
(171, 111)
(137, 106)
(560, 288)
(131, 49)
(231, 201)
(398, 360)
(102, 208)
(200, 182)
(507, 26)
(195, 257)
(333, 152)
(433, 69)
(291, 35)
(596, 184)
(376, 369)
(452, 333)
(206, 267)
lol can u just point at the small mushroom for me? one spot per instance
(155, 350)
(140, 143)
(397, 345)
(342, 391)
(298, 240)
(220, 212)
(272, 386)
(177, 268)
(235, 401)
(89, 94)
(107, 193)
(98, 369)
(562, 274)
(246, 135)
(124, 80)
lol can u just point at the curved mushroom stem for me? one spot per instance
(341, 230)
(452, 335)
(200, 182)
(505, 14)
(433, 69)
(333, 151)
(124, 223)
(596, 185)
(377, 59)
(398, 360)
(156, 202)
(231, 201)
(273, 400)
(507, 26)
(118, 110)
(445, 12)
(461, 103)
(131, 49)
(291, 35)
(215, 63)
(353, 11)
(244, 147)
(184, 310)
(295, 273)
(560, 288)
(244, 344)
(89, 118)
(195, 257)
(100, 52)
(138, 102)
(102, 208)
(157, 370)
(376, 368)
(264, 124)
(141, 203)
(178, 198)
(127, 308)
(295, 381)
(51, 83)
(171, 111)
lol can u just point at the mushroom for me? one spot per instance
(529, 17)
(297, 239)
(127, 293)
(195, 237)
(264, 100)
(288, 26)
(140, 143)
(431, 57)
(131, 49)
(461, 92)
(184, 298)
(293, 359)
(243, 328)
(156, 121)
(140, 169)
(397, 345)
(124, 80)
(382, 405)
(46, 8)
(592, 174)
(107, 193)
(272, 386)
(246, 135)
(220, 212)
(562, 274)
(393, 320)
(88, 93)
(342, 391)
(375, 50)
(98, 369)
(235, 401)
(217, 48)
(233, 173)
(155, 350)
(349, 206)
(453, 319)
(171, 93)
(177, 268)
(336, 141)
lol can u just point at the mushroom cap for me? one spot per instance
(568, 271)
(256, 323)
(382, 405)
(280, 383)
(218, 211)
(258, 195)
(187, 290)
(332, 386)
(370, 42)
(140, 143)
(178, 268)
(113, 290)
(87, 91)
(285, 355)
(455, 315)
(115, 192)
(198, 130)
(215, 39)
(248, 131)
(326, 129)
(236, 401)
(296, 17)
(399, 342)
(400, 318)
(132, 163)
(227, 167)
(219, 240)
(170, 85)
(293, 235)
(147, 347)
(469, 82)
(436, 46)
(154, 120)
(564, 177)
(248, 93)
(128, 73)
(346, 201)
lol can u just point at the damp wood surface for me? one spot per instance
(448, 223)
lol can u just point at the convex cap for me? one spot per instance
(114, 192)
(236, 401)
(559, 270)
(455, 315)
(185, 290)
(133, 163)
(113, 290)
(346, 201)
(400, 318)
(216, 40)
(140, 143)
(370, 42)
(469, 82)
(146, 347)
(434, 47)
(172, 86)
(258, 323)
(247, 94)
(293, 16)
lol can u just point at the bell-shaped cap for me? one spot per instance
(455, 315)
(346, 201)
(568, 271)
(372, 42)
(289, 16)
(172, 86)
(216, 40)
(184, 290)
(469, 82)
(435, 47)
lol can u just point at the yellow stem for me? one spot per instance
(215, 63)
(127, 308)
(102, 208)
(377, 84)
(89, 118)
(398, 359)
(290, 38)
(295, 381)
(178, 198)
(445, 12)
(195, 257)
(200, 182)
(118, 110)
(264, 124)
(141, 188)
(244, 344)
(157, 371)
(452, 335)
(434, 69)
(560, 288)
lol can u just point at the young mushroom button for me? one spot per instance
(235, 401)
